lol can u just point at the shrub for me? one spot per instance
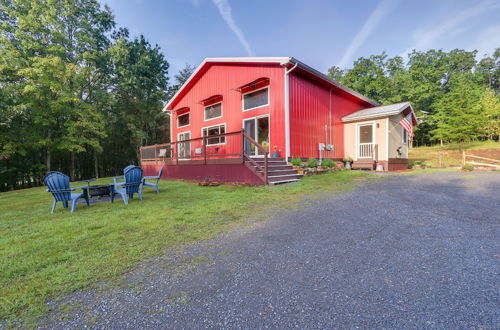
(347, 159)
(312, 162)
(296, 161)
(327, 162)
(468, 167)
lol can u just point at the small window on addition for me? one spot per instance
(215, 130)
(256, 99)
(213, 111)
(405, 136)
(183, 120)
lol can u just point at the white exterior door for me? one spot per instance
(184, 151)
(365, 141)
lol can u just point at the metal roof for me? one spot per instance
(381, 111)
(278, 60)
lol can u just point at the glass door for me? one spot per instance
(257, 129)
(184, 147)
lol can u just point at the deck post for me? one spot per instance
(176, 153)
(242, 146)
(265, 167)
(205, 150)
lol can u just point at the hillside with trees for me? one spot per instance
(455, 96)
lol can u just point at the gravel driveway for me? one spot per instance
(411, 251)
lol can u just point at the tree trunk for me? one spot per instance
(441, 142)
(48, 160)
(72, 166)
(96, 165)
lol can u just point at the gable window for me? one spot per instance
(213, 111)
(183, 120)
(256, 99)
(405, 136)
(213, 131)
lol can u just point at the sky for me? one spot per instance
(320, 33)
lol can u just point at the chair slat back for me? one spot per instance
(133, 179)
(159, 175)
(58, 185)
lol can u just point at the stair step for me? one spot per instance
(273, 178)
(284, 181)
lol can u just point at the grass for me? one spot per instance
(45, 256)
(452, 153)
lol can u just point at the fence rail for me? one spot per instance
(483, 159)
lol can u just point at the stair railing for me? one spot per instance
(258, 146)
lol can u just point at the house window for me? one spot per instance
(215, 130)
(213, 111)
(256, 99)
(183, 120)
(405, 136)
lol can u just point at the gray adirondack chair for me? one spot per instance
(58, 186)
(131, 185)
(151, 184)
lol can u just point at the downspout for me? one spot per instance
(287, 109)
(331, 125)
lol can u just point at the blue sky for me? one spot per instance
(320, 33)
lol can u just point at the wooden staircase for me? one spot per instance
(278, 170)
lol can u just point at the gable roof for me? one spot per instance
(381, 111)
(287, 62)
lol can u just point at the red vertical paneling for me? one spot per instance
(310, 114)
(224, 79)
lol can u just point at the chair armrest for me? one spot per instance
(115, 179)
(150, 177)
(118, 184)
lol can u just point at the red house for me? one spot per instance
(242, 119)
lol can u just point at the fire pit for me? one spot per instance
(100, 190)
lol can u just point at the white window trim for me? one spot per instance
(184, 114)
(255, 90)
(221, 111)
(215, 144)
(403, 132)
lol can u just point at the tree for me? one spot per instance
(488, 108)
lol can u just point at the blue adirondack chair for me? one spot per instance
(131, 185)
(58, 186)
(116, 179)
(151, 184)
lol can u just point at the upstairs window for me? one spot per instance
(215, 130)
(183, 120)
(213, 111)
(256, 99)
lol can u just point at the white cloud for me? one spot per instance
(382, 10)
(425, 38)
(225, 11)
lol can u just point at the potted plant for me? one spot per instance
(348, 161)
(276, 153)
(265, 145)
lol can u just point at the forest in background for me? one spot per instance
(455, 96)
(80, 95)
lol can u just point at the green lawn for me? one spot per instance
(452, 153)
(44, 256)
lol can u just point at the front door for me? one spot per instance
(258, 129)
(184, 147)
(365, 141)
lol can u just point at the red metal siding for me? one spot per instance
(310, 114)
(224, 79)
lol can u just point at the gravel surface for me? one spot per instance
(412, 251)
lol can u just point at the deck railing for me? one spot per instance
(227, 148)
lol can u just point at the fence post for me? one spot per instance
(440, 154)
(265, 167)
(463, 158)
(242, 146)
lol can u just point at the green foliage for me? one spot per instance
(454, 95)
(347, 160)
(468, 167)
(296, 161)
(312, 162)
(327, 162)
(71, 97)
